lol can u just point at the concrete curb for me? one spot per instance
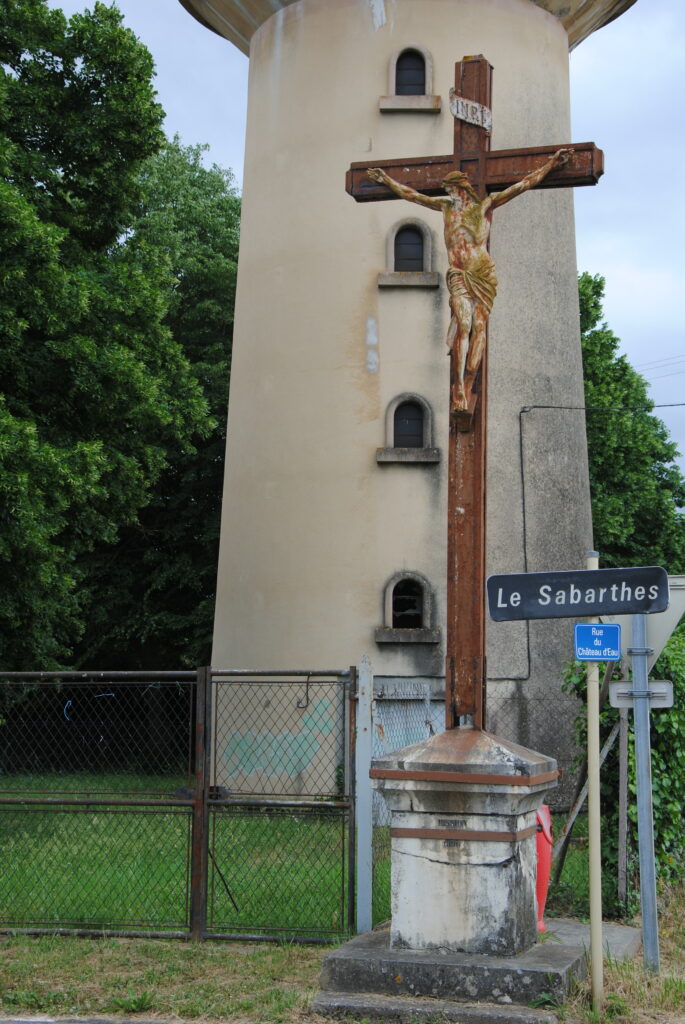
(407, 1010)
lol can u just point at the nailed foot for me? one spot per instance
(460, 401)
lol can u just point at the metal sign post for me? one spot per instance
(638, 591)
(645, 822)
(594, 825)
(595, 642)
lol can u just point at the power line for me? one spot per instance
(674, 373)
(606, 408)
(656, 363)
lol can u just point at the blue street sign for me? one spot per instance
(597, 641)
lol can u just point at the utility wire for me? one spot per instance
(606, 408)
(654, 363)
(673, 373)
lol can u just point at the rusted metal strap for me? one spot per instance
(472, 835)
(474, 777)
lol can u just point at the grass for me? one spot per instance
(213, 981)
(277, 870)
(282, 869)
(270, 984)
(571, 896)
(635, 996)
(116, 784)
(94, 868)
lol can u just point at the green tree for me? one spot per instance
(159, 580)
(668, 783)
(637, 494)
(637, 489)
(95, 391)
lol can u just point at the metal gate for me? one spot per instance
(205, 804)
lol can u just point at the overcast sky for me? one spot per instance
(628, 87)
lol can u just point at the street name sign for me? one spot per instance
(577, 593)
(595, 641)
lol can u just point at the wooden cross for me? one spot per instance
(489, 171)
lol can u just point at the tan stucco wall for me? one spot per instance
(237, 20)
(312, 526)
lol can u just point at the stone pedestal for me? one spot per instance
(463, 827)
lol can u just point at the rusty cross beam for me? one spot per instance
(497, 170)
(489, 171)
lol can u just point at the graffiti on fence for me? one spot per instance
(286, 753)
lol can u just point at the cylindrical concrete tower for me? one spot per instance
(320, 528)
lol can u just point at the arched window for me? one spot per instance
(408, 611)
(408, 431)
(410, 74)
(410, 83)
(409, 256)
(409, 249)
(408, 426)
(407, 605)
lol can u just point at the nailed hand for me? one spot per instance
(562, 156)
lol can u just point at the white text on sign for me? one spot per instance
(571, 595)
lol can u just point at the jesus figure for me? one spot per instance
(471, 280)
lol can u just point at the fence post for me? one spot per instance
(364, 815)
(200, 833)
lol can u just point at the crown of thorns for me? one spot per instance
(461, 180)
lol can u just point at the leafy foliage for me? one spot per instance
(96, 392)
(637, 489)
(78, 114)
(637, 493)
(668, 764)
(668, 778)
(154, 590)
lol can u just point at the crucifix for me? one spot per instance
(476, 180)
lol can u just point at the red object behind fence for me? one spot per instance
(544, 852)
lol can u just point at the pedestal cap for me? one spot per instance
(467, 755)
(464, 771)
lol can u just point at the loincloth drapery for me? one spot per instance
(476, 282)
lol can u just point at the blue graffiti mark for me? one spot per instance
(320, 718)
(69, 704)
(278, 754)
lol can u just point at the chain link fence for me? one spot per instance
(279, 736)
(96, 801)
(130, 804)
(281, 813)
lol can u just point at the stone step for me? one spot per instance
(367, 964)
(410, 1010)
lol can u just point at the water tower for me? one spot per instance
(333, 539)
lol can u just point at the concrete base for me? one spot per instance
(409, 1010)
(462, 834)
(365, 977)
